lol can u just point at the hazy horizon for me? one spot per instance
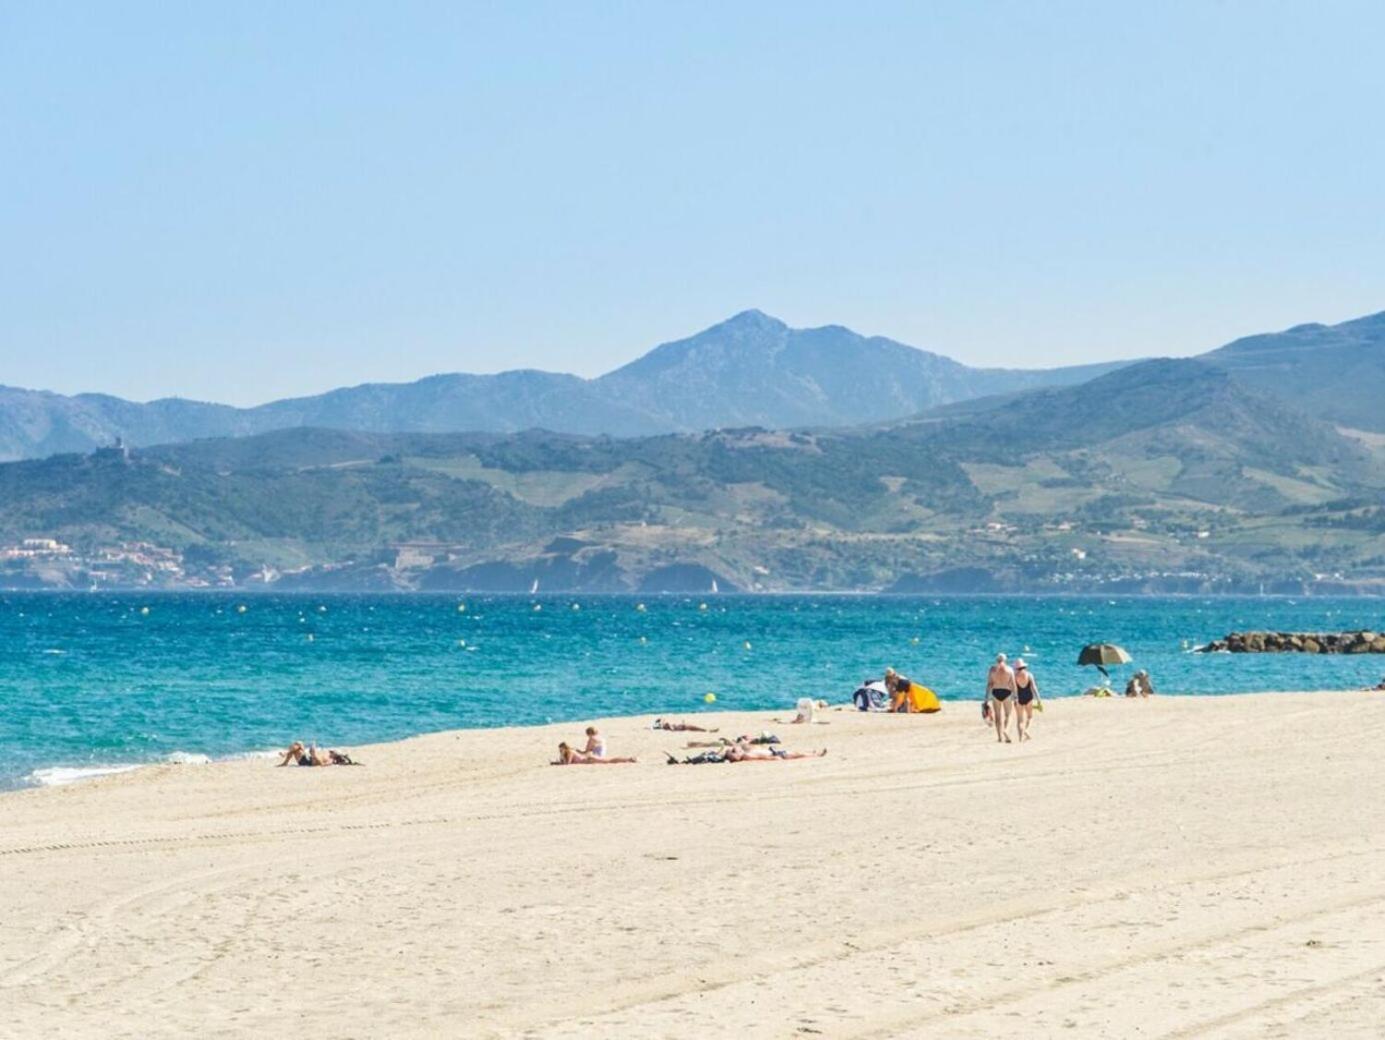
(245, 204)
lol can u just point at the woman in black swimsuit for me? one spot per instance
(1026, 693)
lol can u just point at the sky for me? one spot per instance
(239, 202)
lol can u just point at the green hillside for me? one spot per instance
(1165, 474)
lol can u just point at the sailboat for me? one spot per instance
(714, 585)
(534, 588)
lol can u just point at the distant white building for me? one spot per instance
(33, 548)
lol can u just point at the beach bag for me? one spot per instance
(871, 696)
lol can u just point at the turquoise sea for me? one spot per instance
(94, 681)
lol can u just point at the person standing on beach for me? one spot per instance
(1026, 693)
(1000, 685)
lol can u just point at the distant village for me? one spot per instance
(47, 562)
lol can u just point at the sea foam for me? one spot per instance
(57, 776)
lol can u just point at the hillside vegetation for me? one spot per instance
(1164, 474)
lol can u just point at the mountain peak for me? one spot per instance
(754, 318)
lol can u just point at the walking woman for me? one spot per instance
(1026, 694)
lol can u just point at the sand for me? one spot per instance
(1173, 868)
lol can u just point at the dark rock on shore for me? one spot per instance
(1363, 641)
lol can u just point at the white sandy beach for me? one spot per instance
(1171, 868)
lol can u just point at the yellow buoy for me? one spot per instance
(461, 608)
(577, 606)
(144, 610)
(702, 606)
(242, 609)
(710, 698)
(639, 607)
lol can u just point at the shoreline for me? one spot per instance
(1175, 866)
(69, 774)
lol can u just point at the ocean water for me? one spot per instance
(92, 682)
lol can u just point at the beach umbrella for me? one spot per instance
(1102, 654)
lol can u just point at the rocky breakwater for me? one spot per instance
(1362, 642)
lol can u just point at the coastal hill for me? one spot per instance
(1163, 475)
(1334, 372)
(749, 370)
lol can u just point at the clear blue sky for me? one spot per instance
(243, 201)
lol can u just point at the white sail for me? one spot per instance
(714, 585)
(535, 587)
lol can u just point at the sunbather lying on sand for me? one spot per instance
(741, 753)
(298, 755)
(568, 756)
(680, 727)
(763, 738)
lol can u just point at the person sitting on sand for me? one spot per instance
(1026, 695)
(806, 713)
(898, 687)
(297, 754)
(680, 727)
(596, 744)
(568, 756)
(1000, 684)
(1139, 685)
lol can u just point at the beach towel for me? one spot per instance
(702, 758)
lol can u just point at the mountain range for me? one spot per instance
(749, 370)
(1159, 475)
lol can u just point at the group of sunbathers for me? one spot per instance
(723, 749)
(742, 749)
(593, 754)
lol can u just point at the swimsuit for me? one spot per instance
(1000, 695)
(1025, 694)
